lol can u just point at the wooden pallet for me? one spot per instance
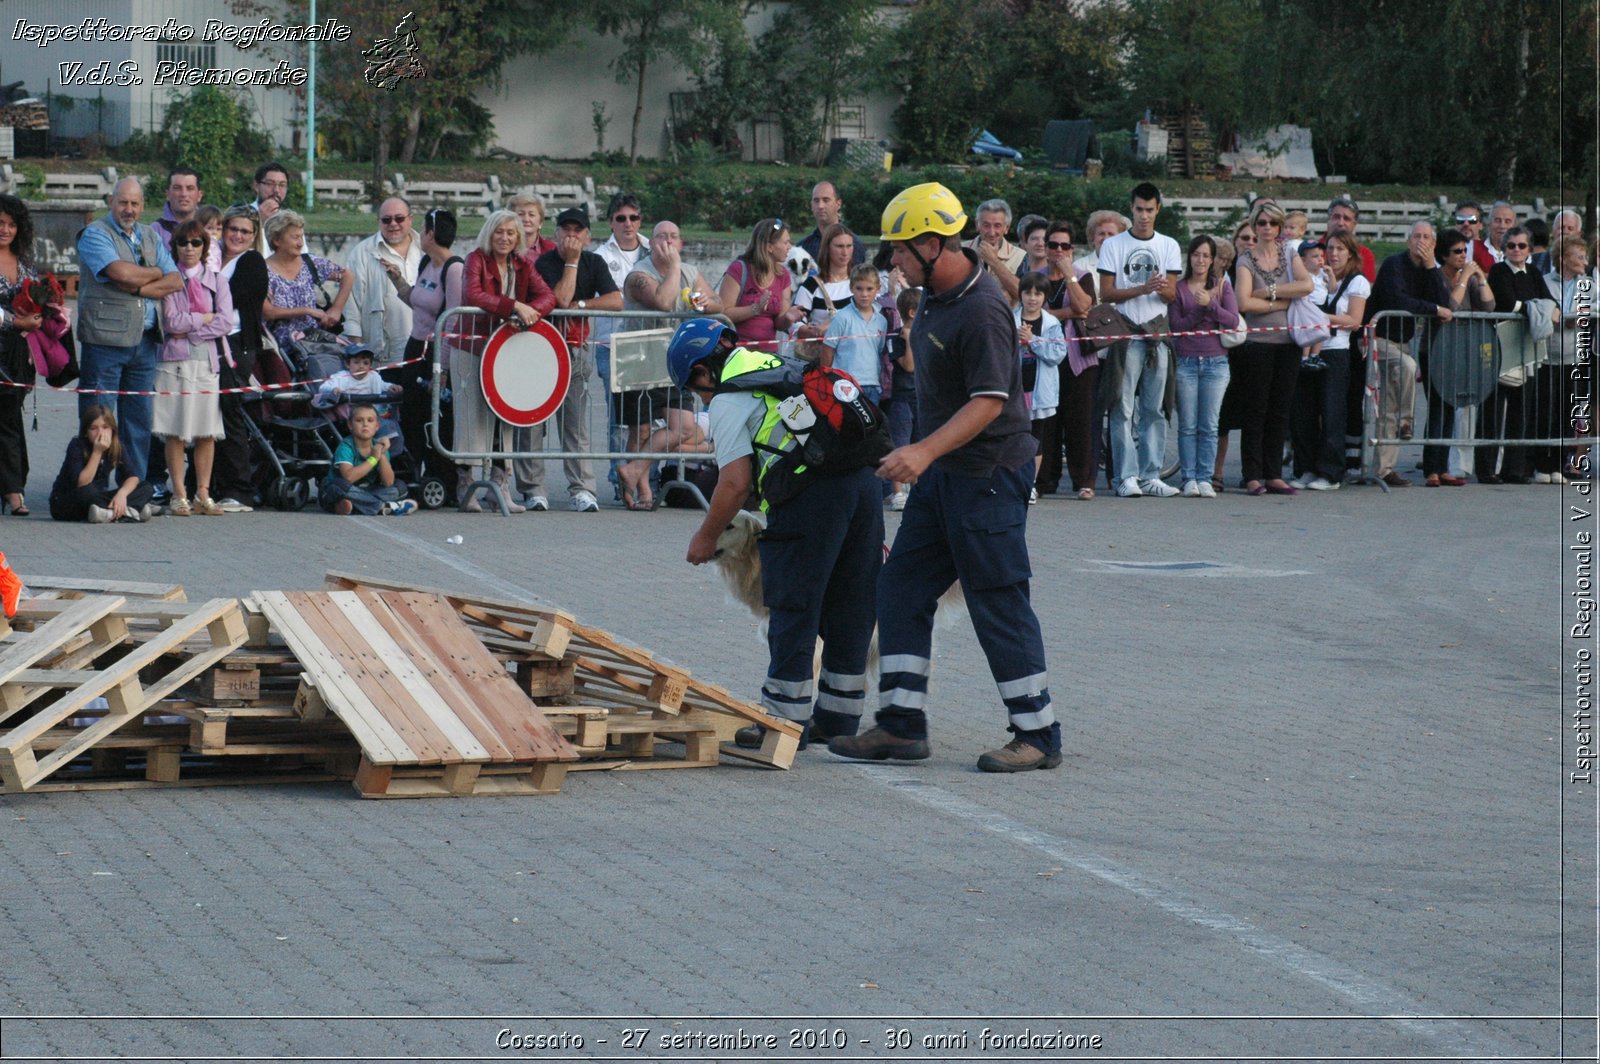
(73, 644)
(419, 691)
(624, 680)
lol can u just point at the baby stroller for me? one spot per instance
(296, 440)
(293, 443)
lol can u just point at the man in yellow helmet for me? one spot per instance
(967, 514)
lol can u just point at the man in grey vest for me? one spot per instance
(124, 269)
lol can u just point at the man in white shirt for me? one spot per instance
(997, 254)
(1139, 272)
(375, 315)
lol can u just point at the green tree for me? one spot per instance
(209, 130)
(806, 85)
(948, 58)
(652, 30)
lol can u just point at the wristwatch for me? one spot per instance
(583, 304)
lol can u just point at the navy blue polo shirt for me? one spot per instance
(964, 340)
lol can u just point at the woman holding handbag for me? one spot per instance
(295, 299)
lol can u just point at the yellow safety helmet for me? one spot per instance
(923, 209)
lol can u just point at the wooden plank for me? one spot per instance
(492, 691)
(121, 688)
(308, 701)
(405, 626)
(561, 621)
(397, 704)
(23, 650)
(344, 696)
(372, 779)
(374, 620)
(126, 588)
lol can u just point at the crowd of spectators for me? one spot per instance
(177, 320)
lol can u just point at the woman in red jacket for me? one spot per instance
(501, 281)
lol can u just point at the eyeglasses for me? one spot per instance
(241, 230)
(1516, 247)
(1245, 238)
(1459, 249)
(1466, 219)
(778, 226)
(624, 217)
(394, 219)
(199, 243)
(1056, 245)
(1269, 221)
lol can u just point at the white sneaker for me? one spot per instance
(1158, 488)
(1557, 478)
(537, 503)
(1321, 484)
(1129, 489)
(131, 514)
(1191, 489)
(99, 515)
(1303, 480)
(1033, 496)
(1206, 490)
(584, 503)
(897, 501)
(234, 506)
(149, 510)
(1541, 478)
(402, 508)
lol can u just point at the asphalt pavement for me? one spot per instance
(1317, 804)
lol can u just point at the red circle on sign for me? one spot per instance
(525, 373)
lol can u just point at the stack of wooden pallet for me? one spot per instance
(406, 691)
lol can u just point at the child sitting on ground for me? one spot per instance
(856, 336)
(357, 381)
(362, 480)
(1311, 256)
(96, 484)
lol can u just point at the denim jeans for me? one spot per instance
(122, 369)
(1144, 368)
(1202, 382)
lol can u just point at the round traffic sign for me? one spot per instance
(525, 373)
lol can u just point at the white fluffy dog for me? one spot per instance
(739, 560)
(800, 264)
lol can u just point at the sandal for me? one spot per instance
(1085, 494)
(1217, 485)
(1431, 480)
(1255, 487)
(179, 507)
(208, 507)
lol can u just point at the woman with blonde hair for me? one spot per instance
(1263, 369)
(502, 282)
(755, 288)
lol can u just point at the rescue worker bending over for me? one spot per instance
(823, 546)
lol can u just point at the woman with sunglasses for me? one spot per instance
(1068, 301)
(1531, 408)
(185, 410)
(755, 288)
(1263, 369)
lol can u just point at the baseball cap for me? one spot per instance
(573, 216)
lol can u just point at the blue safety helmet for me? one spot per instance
(696, 339)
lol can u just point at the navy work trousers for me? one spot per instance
(820, 557)
(971, 529)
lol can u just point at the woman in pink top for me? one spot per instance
(1204, 303)
(755, 289)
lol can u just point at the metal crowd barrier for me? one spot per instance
(1478, 383)
(640, 393)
